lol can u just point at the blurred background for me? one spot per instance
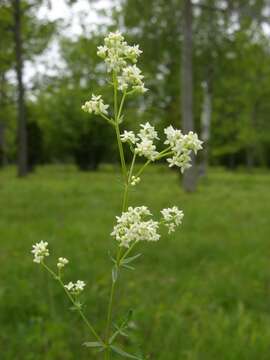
(202, 294)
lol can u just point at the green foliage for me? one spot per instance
(35, 35)
(207, 298)
(230, 52)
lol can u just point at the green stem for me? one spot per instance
(115, 83)
(110, 121)
(93, 331)
(121, 153)
(118, 257)
(126, 177)
(128, 251)
(117, 115)
(162, 154)
(121, 106)
(109, 317)
(131, 167)
(142, 168)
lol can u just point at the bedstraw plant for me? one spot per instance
(134, 224)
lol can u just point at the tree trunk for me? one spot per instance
(2, 145)
(205, 125)
(2, 120)
(250, 158)
(251, 147)
(22, 132)
(189, 178)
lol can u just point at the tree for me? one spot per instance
(189, 177)
(22, 132)
(30, 38)
(217, 25)
(6, 63)
(69, 133)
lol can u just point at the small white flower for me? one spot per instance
(174, 136)
(102, 51)
(191, 142)
(140, 89)
(128, 136)
(40, 251)
(114, 62)
(172, 218)
(148, 131)
(133, 226)
(62, 262)
(114, 39)
(181, 146)
(133, 52)
(131, 77)
(135, 180)
(80, 285)
(69, 286)
(116, 53)
(95, 105)
(146, 147)
(75, 288)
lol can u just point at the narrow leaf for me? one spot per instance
(130, 259)
(128, 267)
(93, 344)
(121, 332)
(114, 335)
(114, 274)
(111, 257)
(129, 315)
(123, 353)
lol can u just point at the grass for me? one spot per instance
(202, 294)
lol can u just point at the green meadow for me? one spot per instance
(201, 294)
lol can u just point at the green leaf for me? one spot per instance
(128, 267)
(110, 256)
(114, 335)
(120, 329)
(114, 273)
(129, 315)
(130, 259)
(93, 344)
(123, 353)
(73, 308)
(121, 332)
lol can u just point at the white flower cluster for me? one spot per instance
(144, 141)
(172, 218)
(95, 105)
(116, 54)
(135, 180)
(128, 136)
(181, 146)
(131, 77)
(62, 262)
(75, 288)
(133, 226)
(40, 251)
(145, 147)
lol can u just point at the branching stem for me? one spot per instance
(74, 303)
(126, 179)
